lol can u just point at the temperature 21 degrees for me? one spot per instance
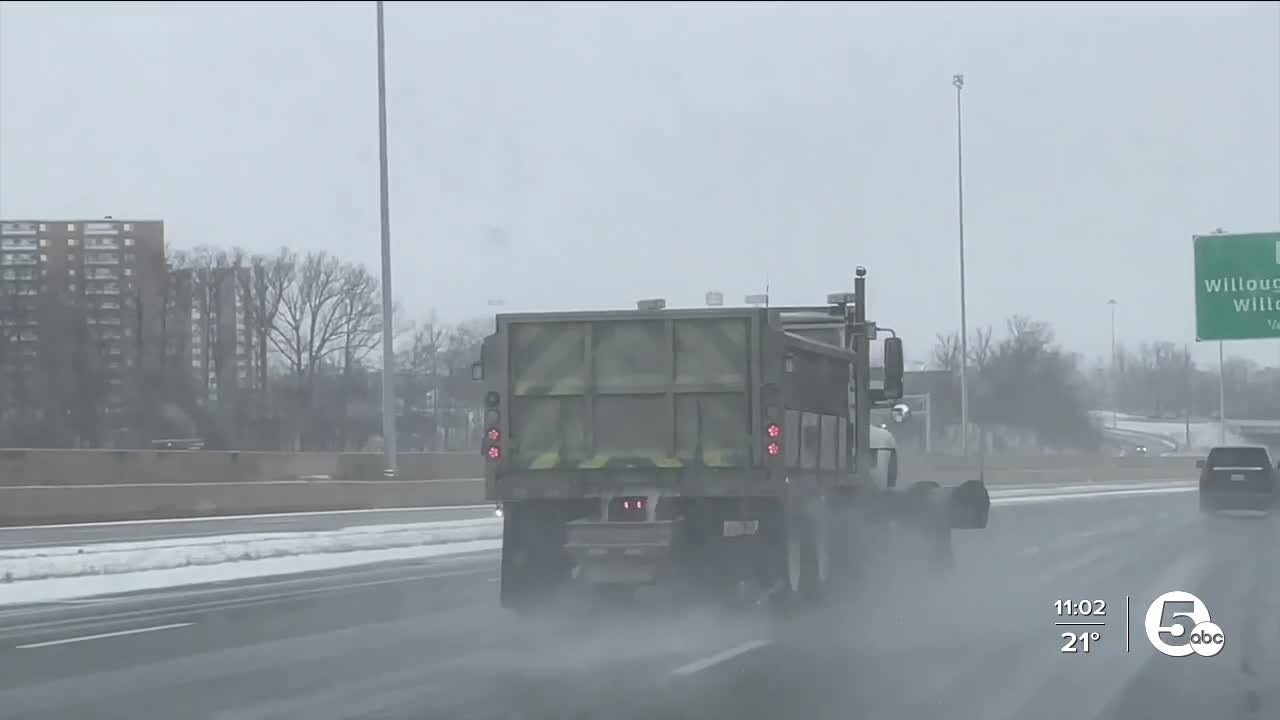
(1079, 642)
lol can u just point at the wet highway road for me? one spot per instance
(426, 640)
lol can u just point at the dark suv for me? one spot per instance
(1238, 478)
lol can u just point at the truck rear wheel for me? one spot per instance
(533, 560)
(801, 584)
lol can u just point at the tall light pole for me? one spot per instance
(1115, 386)
(388, 352)
(1222, 382)
(958, 81)
(1222, 396)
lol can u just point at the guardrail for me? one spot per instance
(48, 486)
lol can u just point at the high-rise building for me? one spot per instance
(80, 321)
(212, 332)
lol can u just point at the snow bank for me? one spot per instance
(88, 586)
(23, 564)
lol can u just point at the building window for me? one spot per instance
(128, 271)
(71, 242)
(71, 272)
(128, 226)
(71, 227)
(128, 242)
(44, 258)
(44, 242)
(43, 227)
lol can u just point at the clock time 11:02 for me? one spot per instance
(1080, 608)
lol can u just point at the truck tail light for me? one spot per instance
(492, 435)
(773, 437)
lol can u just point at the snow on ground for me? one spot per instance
(22, 564)
(31, 575)
(1204, 433)
(67, 588)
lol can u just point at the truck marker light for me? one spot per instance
(495, 452)
(493, 435)
(774, 449)
(774, 431)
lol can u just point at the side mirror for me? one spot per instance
(1199, 464)
(477, 371)
(893, 368)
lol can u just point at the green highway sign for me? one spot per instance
(1237, 286)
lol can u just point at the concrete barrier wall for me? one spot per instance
(47, 486)
(1046, 469)
(118, 467)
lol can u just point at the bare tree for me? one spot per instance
(360, 331)
(309, 326)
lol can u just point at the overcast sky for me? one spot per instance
(647, 150)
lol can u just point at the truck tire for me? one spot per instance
(801, 583)
(934, 529)
(533, 561)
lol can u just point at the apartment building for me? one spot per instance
(80, 313)
(212, 331)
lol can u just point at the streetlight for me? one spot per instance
(1222, 382)
(388, 356)
(958, 81)
(1115, 386)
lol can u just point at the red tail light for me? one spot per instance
(773, 433)
(493, 435)
(495, 452)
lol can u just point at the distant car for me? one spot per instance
(1242, 477)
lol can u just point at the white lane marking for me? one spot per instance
(497, 579)
(232, 518)
(1032, 499)
(99, 636)
(721, 657)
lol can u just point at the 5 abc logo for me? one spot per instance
(1178, 625)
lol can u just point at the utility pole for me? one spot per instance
(1222, 383)
(1186, 390)
(1115, 384)
(958, 81)
(1222, 396)
(388, 352)
(861, 346)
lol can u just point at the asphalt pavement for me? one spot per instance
(426, 639)
(139, 530)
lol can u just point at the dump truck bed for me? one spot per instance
(629, 390)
